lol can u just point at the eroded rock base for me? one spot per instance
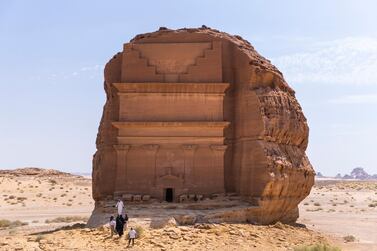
(230, 209)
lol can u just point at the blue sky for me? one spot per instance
(52, 55)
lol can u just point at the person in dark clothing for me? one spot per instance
(119, 225)
(125, 221)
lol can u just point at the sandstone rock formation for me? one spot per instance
(198, 112)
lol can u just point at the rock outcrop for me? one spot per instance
(200, 112)
(358, 173)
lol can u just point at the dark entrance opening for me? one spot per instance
(169, 194)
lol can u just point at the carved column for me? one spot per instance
(218, 153)
(121, 170)
(189, 152)
(151, 152)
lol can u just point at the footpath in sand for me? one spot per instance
(52, 208)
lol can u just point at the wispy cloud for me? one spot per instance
(345, 61)
(355, 99)
(91, 72)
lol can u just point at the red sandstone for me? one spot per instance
(198, 112)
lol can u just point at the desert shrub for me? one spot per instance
(314, 210)
(53, 182)
(67, 219)
(349, 238)
(11, 197)
(39, 238)
(373, 204)
(317, 204)
(4, 223)
(306, 203)
(35, 221)
(8, 223)
(139, 231)
(317, 247)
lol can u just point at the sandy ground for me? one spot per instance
(332, 211)
(343, 208)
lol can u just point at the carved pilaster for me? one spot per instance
(189, 152)
(218, 152)
(121, 170)
(151, 151)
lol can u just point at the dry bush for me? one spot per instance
(315, 209)
(349, 238)
(317, 247)
(67, 219)
(139, 231)
(317, 204)
(373, 204)
(53, 182)
(11, 224)
(39, 238)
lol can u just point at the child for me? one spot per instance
(112, 224)
(131, 236)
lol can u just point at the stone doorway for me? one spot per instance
(169, 194)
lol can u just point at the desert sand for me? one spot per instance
(341, 209)
(52, 208)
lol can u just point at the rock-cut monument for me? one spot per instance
(196, 114)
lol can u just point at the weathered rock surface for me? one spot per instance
(244, 131)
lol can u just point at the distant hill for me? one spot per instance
(39, 172)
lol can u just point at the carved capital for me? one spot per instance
(218, 148)
(150, 147)
(122, 147)
(190, 147)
